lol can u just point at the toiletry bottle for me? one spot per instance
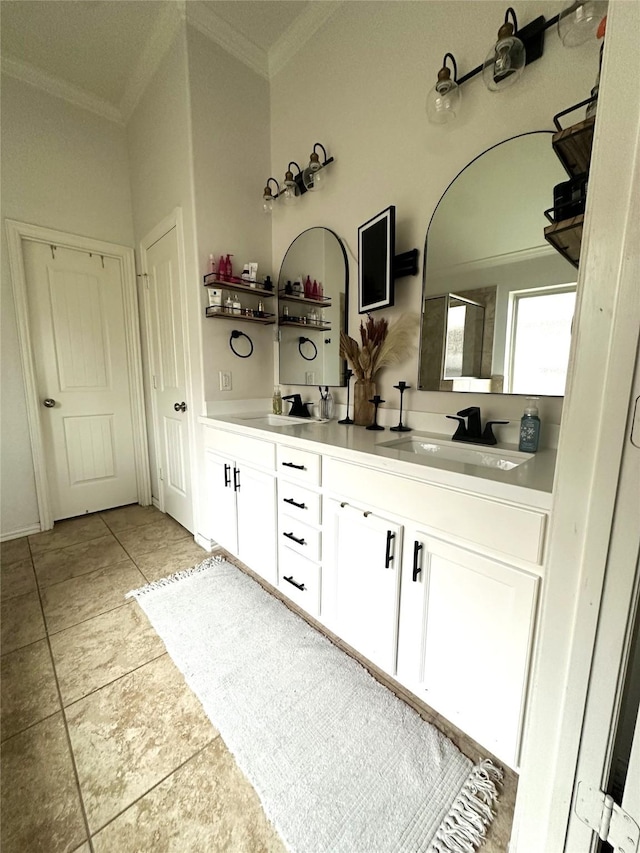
(298, 289)
(222, 268)
(530, 427)
(288, 288)
(285, 312)
(212, 264)
(237, 307)
(229, 268)
(328, 403)
(314, 289)
(260, 311)
(277, 401)
(228, 305)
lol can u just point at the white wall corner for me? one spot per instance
(167, 25)
(60, 89)
(302, 28)
(211, 25)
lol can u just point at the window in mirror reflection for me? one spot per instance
(541, 324)
(463, 351)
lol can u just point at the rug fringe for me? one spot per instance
(174, 578)
(465, 827)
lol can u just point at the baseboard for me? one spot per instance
(17, 534)
(204, 542)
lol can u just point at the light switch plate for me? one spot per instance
(225, 380)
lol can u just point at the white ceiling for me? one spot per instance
(101, 53)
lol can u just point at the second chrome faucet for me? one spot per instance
(470, 427)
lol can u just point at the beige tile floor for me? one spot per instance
(104, 747)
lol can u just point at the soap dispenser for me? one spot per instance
(530, 427)
(277, 401)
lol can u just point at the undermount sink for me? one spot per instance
(277, 420)
(446, 451)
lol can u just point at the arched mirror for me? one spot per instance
(498, 300)
(310, 322)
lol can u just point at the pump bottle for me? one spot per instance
(530, 427)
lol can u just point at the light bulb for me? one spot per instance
(267, 204)
(443, 101)
(578, 20)
(314, 179)
(505, 61)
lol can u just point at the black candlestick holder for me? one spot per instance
(376, 402)
(348, 374)
(402, 387)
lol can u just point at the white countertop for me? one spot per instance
(529, 484)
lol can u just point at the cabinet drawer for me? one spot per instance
(299, 464)
(299, 537)
(297, 502)
(506, 528)
(300, 581)
(241, 448)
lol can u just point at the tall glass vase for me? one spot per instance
(363, 411)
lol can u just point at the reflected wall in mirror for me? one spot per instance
(498, 300)
(309, 352)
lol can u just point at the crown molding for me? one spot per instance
(167, 26)
(211, 25)
(298, 33)
(60, 89)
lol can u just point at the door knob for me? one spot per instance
(179, 407)
(49, 403)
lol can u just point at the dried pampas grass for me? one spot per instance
(383, 344)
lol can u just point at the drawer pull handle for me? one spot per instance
(299, 586)
(343, 504)
(294, 538)
(417, 547)
(367, 513)
(236, 479)
(227, 475)
(293, 465)
(294, 503)
(388, 557)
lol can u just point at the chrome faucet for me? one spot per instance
(298, 408)
(470, 427)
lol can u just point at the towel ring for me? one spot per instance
(303, 340)
(236, 334)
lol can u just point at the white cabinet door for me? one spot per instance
(221, 510)
(366, 570)
(465, 639)
(257, 524)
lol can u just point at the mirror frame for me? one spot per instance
(424, 296)
(345, 319)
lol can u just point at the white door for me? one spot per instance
(368, 551)
(77, 323)
(167, 342)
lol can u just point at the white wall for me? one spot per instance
(161, 169)
(359, 87)
(230, 121)
(63, 168)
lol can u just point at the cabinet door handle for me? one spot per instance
(417, 547)
(294, 503)
(387, 557)
(236, 479)
(292, 465)
(227, 475)
(295, 539)
(290, 580)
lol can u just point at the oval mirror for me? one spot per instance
(498, 300)
(309, 352)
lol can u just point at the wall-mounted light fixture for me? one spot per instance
(443, 101)
(506, 60)
(268, 198)
(311, 179)
(513, 50)
(290, 191)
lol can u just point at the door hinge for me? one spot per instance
(604, 817)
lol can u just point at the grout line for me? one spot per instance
(30, 726)
(113, 680)
(41, 552)
(156, 784)
(84, 574)
(88, 619)
(66, 728)
(26, 645)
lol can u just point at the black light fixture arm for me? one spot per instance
(452, 58)
(531, 35)
(269, 187)
(326, 159)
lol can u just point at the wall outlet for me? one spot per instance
(225, 380)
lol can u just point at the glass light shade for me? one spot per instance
(579, 19)
(443, 102)
(504, 63)
(267, 203)
(289, 192)
(314, 178)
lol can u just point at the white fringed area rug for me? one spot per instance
(340, 764)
